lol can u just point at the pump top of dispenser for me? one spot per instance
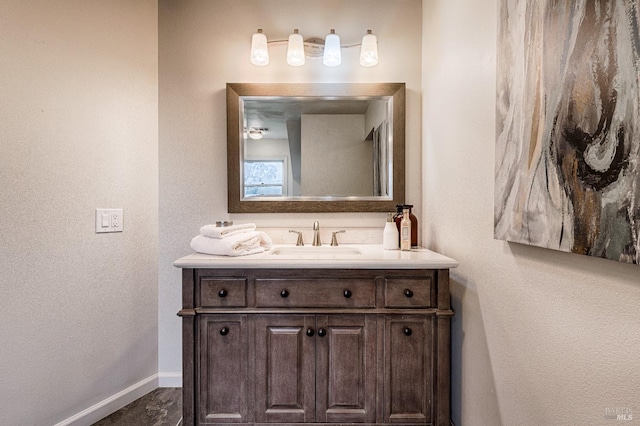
(400, 207)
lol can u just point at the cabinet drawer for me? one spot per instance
(223, 292)
(408, 292)
(315, 293)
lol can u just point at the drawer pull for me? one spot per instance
(284, 293)
(408, 293)
(223, 293)
(407, 331)
(224, 331)
(322, 332)
(310, 332)
(347, 293)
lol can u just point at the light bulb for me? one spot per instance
(332, 55)
(369, 50)
(295, 50)
(259, 50)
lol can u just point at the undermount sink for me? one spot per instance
(317, 252)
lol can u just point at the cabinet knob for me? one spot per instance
(407, 331)
(347, 293)
(408, 293)
(224, 331)
(223, 293)
(284, 293)
(310, 332)
(322, 332)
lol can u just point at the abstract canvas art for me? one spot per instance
(567, 172)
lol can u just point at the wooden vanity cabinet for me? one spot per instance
(222, 363)
(408, 368)
(330, 346)
(316, 368)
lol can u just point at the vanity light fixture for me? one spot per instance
(332, 54)
(259, 49)
(295, 49)
(298, 48)
(369, 50)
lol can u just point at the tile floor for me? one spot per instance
(161, 407)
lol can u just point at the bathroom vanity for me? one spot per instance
(306, 335)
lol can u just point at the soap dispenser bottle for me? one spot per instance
(405, 231)
(414, 221)
(414, 225)
(390, 235)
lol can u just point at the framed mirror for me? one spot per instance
(315, 147)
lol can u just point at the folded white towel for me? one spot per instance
(241, 244)
(213, 231)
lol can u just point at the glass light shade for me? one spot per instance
(255, 134)
(259, 50)
(369, 50)
(332, 55)
(295, 50)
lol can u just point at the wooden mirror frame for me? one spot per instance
(322, 90)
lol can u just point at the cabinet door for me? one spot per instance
(346, 369)
(223, 369)
(285, 368)
(408, 389)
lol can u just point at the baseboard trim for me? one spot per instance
(113, 403)
(170, 379)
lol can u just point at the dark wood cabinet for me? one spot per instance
(345, 368)
(284, 367)
(408, 369)
(294, 346)
(223, 360)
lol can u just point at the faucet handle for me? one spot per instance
(316, 234)
(334, 240)
(300, 242)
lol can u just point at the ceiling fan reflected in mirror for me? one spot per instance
(256, 133)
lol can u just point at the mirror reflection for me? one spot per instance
(315, 147)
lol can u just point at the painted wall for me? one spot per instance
(539, 336)
(336, 158)
(203, 45)
(78, 131)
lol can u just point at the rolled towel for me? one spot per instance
(213, 231)
(241, 244)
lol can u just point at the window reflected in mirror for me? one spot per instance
(264, 178)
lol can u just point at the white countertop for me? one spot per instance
(345, 256)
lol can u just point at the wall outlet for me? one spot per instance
(109, 220)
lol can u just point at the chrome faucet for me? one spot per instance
(334, 239)
(300, 242)
(316, 234)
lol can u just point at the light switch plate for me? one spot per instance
(109, 220)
